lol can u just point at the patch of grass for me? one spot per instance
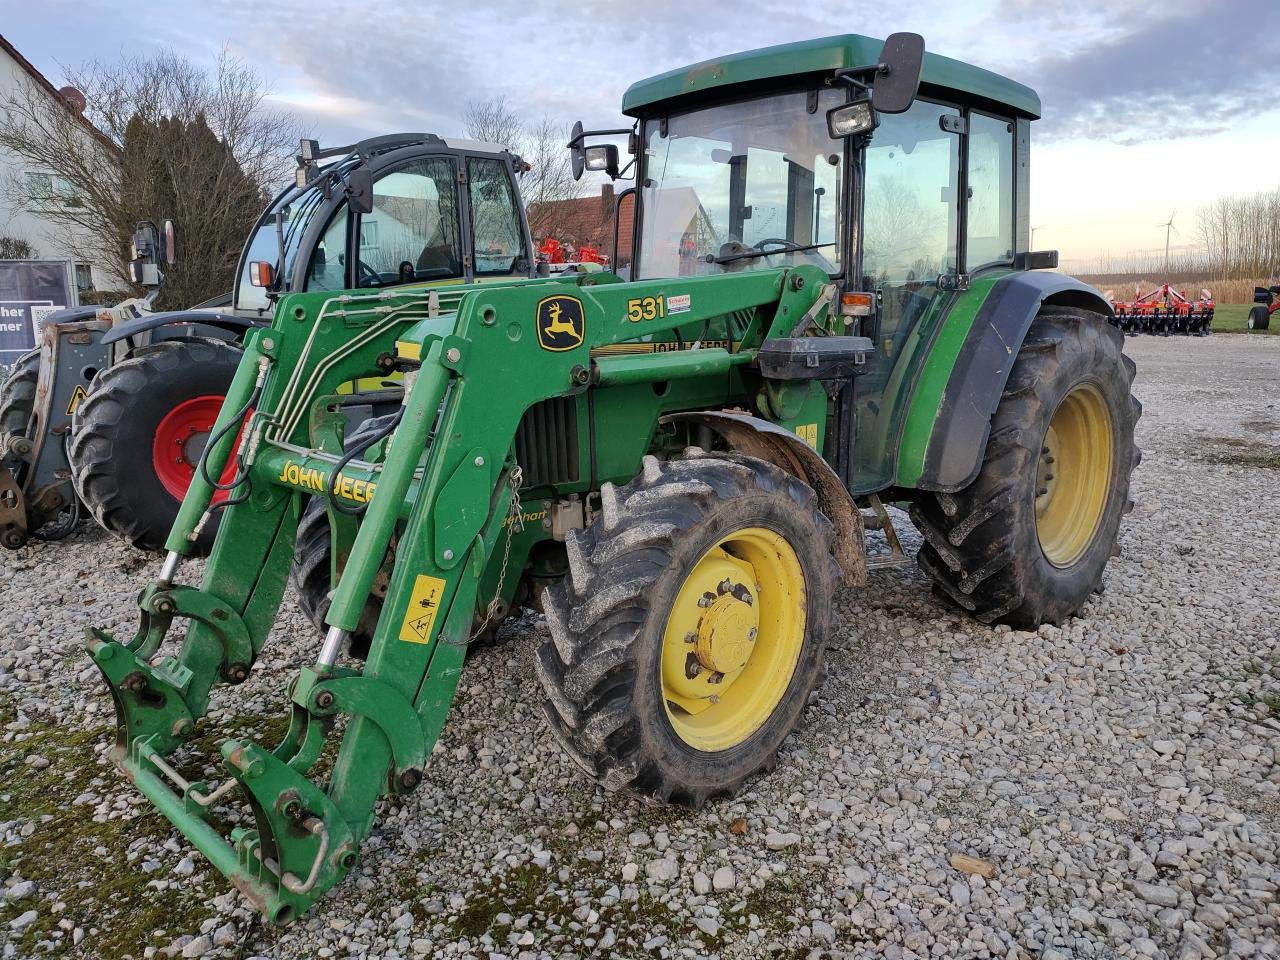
(102, 891)
(1240, 452)
(1234, 318)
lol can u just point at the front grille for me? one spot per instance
(547, 442)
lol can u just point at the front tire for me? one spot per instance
(1259, 318)
(689, 633)
(1027, 541)
(131, 485)
(18, 394)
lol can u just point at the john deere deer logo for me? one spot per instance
(560, 323)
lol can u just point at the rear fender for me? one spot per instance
(223, 326)
(768, 441)
(949, 418)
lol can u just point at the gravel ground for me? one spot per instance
(1114, 782)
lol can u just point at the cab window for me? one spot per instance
(495, 220)
(989, 215)
(328, 270)
(411, 234)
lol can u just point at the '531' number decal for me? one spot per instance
(646, 308)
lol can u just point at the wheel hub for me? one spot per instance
(733, 639)
(727, 630)
(1073, 475)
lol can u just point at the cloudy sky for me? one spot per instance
(1149, 107)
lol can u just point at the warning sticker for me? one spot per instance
(680, 303)
(420, 616)
(78, 394)
(808, 432)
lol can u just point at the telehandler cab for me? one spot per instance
(113, 409)
(830, 302)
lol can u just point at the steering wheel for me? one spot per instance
(777, 242)
(368, 273)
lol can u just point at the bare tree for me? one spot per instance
(494, 121)
(159, 137)
(15, 248)
(542, 145)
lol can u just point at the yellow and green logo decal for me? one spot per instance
(561, 323)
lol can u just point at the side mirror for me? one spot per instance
(851, 119)
(360, 190)
(577, 154)
(603, 157)
(169, 243)
(261, 274)
(898, 74)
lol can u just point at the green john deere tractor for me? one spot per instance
(830, 304)
(111, 412)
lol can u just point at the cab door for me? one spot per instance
(910, 238)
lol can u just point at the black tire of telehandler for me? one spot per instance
(1259, 318)
(18, 394)
(310, 576)
(114, 427)
(601, 667)
(981, 546)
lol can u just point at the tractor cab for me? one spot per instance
(903, 175)
(394, 210)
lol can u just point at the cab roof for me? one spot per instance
(680, 89)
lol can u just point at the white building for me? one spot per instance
(22, 214)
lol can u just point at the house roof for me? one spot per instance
(581, 220)
(679, 87)
(44, 82)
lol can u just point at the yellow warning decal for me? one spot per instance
(420, 616)
(78, 394)
(808, 432)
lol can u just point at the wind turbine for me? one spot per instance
(1033, 234)
(1168, 228)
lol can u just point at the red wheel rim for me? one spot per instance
(180, 438)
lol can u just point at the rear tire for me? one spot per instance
(114, 428)
(634, 596)
(1017, 546)
(18, 394)
(1259, 318)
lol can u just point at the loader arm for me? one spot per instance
(475, 361)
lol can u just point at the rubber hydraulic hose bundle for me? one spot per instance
(351, 454)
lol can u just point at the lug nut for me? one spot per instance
(691, 666)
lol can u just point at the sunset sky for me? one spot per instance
(1149, 108)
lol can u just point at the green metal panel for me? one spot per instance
(821, 55)
(929, 370)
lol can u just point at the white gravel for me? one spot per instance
(1108, 789)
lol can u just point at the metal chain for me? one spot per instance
(513, 518)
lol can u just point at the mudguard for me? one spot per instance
(779, 446)
(151, 321)
(959, 421)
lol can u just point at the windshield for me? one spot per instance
(298, 207)
(761, 175)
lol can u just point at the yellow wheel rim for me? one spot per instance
(733, 639)
(1073, 477)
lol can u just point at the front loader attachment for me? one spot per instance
(439, 514)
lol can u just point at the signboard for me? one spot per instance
(29, 290)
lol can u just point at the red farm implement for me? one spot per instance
(1164, 311)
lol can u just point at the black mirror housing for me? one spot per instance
(577, 153)
(360, 190)
(898, 75)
